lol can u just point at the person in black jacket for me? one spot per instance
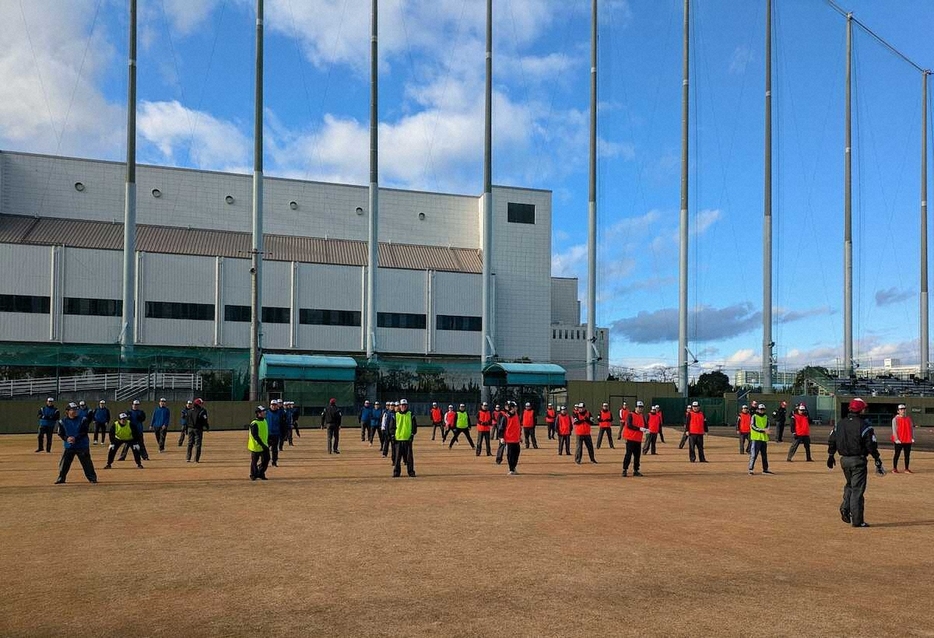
(331, 419)
(854, 439)
(197, 424)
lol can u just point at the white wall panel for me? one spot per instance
(17, 326)
(26, 270)
(90, 329)
(179, 332)
(178, 278)
(93, 274)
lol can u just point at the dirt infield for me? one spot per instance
(332, 546)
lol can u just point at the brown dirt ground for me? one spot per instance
(332, 546)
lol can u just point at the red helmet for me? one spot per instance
(857, 405)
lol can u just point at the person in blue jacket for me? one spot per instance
(273, 423)
(84, 412)
(73, 431)
(376, 415)
(101, 422)
(365, 415)
(48, 417)
(160, 423)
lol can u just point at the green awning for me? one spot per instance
(302, 367)
(501, 374)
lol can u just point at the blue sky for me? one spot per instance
(63, 87)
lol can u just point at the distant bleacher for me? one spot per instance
(881, 385)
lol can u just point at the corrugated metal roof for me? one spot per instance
(50, 231)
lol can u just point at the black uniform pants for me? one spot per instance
(744, 442)
(500, 451)
(112, 452)
(696, 447)
(404, 453)
(550, 425)
(608, 433)
(649, 444)
(45, 432)
(372, 433)
(457, 433)
(781, 430)
(194, 444)
(434, 430)
(334, 439)
(160, 433)
(661, 433)
(855, 470)
(259, 461)
(142, 446)
(530, 434)
(363, 428)
(584, 440)
(633, 455)
(758, 448)
(898, 450)
(800, 440)
(284, 431)
(564, 440)
(384, 442)
(100, 428)
(84, 456)
(483, 437)
(274, 447)
(512, 455)
(296, 430)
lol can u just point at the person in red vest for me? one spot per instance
(633, 430)
(623, 417)
(801, 430)
(550, 416)
(582, 422)
(605, 421)
(661, 423)
(437, 421)
(510, 436)
(695, 424)
(563, 428)
(743, 419)
(655, 427)
(903, 435)
(450, 420)
(528, 426)
(484, 425)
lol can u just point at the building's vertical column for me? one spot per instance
(218, 301)
(137, 299)
(56, 268)
(293, 306)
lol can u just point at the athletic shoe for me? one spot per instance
(894, 470)
(637, 473)
(625, 473)
(863, 524)
(108, 466)
(511, 473)
(252, 478)
(751, 472)
(60, 481)
(768, 472)
(139, 465)
(907, 471)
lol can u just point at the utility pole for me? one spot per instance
(128, 333)
(373, 226)
(683, 255)
(487, 349)
(256, 254)
(767, 343)
(847, 212)
(592, 207)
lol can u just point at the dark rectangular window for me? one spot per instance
(25, 303)
(520, 213)
(456, 322)
(276, 315)
(93, 307)
(239, 314)
(179, 310)
(318, 317)
(401, 320)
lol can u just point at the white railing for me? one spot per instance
(120, 386)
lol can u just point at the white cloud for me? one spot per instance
(187, 15)
(181, 134)
(740, 59)
(50, 63)
(570, 262)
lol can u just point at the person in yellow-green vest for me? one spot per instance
(405, 432)
(258, 445)
(122, 433)
(461, 426)
(759, 439)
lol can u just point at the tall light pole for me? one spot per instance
(128, 331)
(256, 253)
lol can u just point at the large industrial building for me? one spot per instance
(61, 241)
